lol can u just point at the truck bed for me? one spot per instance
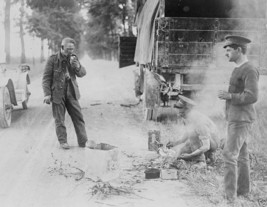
(196, 44)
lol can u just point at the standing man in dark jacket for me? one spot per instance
(240, 113)
(60, 87)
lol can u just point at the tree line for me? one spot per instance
(94, 24)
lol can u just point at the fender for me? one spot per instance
(28, 78)
(23, 73)
(9, 84)
(21, 84)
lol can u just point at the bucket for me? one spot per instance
(154, 140)
(106, 164)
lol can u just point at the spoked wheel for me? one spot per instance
(25, 102)
(5, 107)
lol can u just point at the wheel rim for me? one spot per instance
(7, 106)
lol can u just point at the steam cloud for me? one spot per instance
(217, 77)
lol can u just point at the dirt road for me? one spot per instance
(35, 172)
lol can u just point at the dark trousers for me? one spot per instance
(236, 158)
(74, 110)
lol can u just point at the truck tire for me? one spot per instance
(5, 108)
(25, 102)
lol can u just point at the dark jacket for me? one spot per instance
(54, 78)
(244, 90)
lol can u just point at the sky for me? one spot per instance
(32, 44)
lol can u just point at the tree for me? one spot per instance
(53, 20)
(21, 31)
(39, 26)
(8, 4)
(41, 5)
(107, 19)
(7, 30)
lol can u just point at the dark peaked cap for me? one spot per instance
(236, 40)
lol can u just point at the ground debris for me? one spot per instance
(130, 104)
(95, 104)
(66, 170)
(129, 155)
(105, 189)
(262, 202)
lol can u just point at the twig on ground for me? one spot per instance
(105, 189)
(143, 197)
(82, 173)
(130, 105)
(95, 104)
(65, 169)
(105, 203)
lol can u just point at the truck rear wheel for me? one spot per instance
(5, 107)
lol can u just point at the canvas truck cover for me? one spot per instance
(146, 28)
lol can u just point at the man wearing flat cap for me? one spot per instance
(240, 114)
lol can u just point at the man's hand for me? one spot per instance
(224, 95)
(170, 144)
(185, 156)
(47, 99)
(76, 64)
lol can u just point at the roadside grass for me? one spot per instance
(208, 183)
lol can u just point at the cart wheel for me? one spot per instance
(25, 102)
(5, 108)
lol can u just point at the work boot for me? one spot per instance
(231, 202)
(64, 146)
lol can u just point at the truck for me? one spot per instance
(179, 43)
(14, 91)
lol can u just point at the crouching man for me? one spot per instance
(200, 139)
